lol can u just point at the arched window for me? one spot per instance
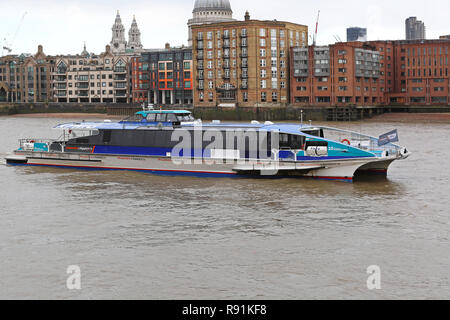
(62, 68)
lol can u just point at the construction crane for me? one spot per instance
(8, 47)
(337, 38)
(317, 28)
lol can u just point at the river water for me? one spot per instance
(138, 236)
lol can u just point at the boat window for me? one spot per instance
(151, 117)
(185, 117)
(291, 141)
(171, 118)
(134, 118)
(315, 132)
(82, 140)
(160, 117)
(297, 142)
(107, 136)
(284, 140)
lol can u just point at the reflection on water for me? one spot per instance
(148, 236)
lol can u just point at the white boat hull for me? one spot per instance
(343, 170)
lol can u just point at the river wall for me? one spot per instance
(229, 114)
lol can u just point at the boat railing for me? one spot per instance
(42, 145)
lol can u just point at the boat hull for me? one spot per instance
(340, 170)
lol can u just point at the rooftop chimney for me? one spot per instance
(247, 16)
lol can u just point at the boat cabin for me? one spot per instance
(164, 117)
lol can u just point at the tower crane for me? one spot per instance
(8, 47)
(317, 28)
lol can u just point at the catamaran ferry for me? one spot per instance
(172, 142)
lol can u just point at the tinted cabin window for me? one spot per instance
(297, 142)
(284, 140)
(315, 133)
(160, 117)
(107, 136)
(82, 140)
(151, 117)
(291, 141)
(171, 118)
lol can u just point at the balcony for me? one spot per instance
(244, 65)
(243, 55)
(200, 77)
(226, 36)
(83, 86)
(244, 87)
(120, 70)
(120, 93)
(120, 78)
(244, 76)
(200, 57)
(226, 77)
(243, 35)
(200, 67)
(243, 45)
(61, 93)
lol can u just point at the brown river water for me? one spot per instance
(139, 236)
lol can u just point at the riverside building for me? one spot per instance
(163, 76)
(90, 78)
(244, 63)
(413, 72)
(26, 77)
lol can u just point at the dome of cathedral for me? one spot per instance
(208, 5)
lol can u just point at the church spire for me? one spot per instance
(118, 42)
(134, 36)
(84, 53)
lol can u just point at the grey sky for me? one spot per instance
(61, 26)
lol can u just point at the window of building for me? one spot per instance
(274, 96)
(263, 84)
(263, 97)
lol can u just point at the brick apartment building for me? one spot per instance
(244, 63)
(343, 73)
(163, 76)
(371, 73)
(26, 77)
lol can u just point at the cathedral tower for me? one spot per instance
(118, 42)
(134, 37)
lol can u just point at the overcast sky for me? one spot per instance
(62, 26)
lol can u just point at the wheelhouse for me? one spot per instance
(161, 116)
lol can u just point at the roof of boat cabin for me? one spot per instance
(146, 113)
(284, 128)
